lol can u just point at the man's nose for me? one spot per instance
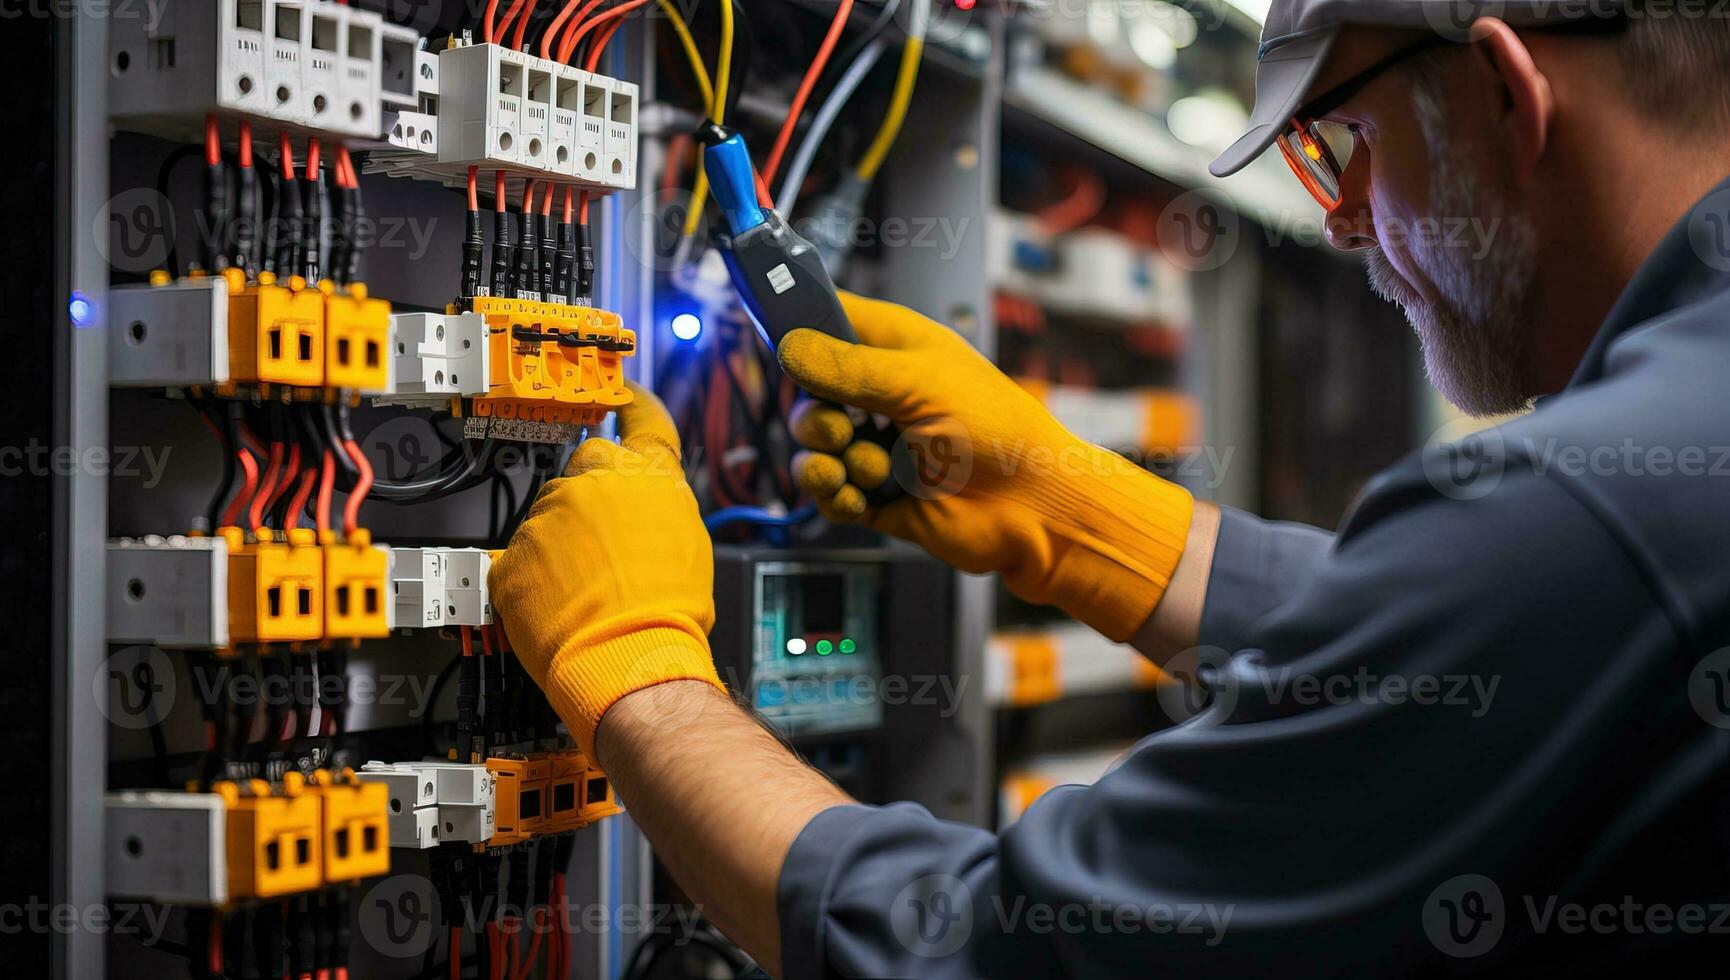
(1350, 224)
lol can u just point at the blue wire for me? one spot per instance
(774, 527)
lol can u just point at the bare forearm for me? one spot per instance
(1175, 625)
(720, 799)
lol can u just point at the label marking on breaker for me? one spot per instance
(781, 279)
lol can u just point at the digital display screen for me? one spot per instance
(822, 603)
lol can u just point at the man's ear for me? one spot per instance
(1530, 105)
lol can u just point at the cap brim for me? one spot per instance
(1281, 79)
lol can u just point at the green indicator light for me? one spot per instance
(825, 648)
(848, 646)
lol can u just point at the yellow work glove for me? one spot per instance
(997, 484)
(608, 587)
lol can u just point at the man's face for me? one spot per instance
(1430, 201)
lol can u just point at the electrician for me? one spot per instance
(1570, 567)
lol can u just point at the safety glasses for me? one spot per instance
(1318, 150)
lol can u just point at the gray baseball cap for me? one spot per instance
(1298, 34)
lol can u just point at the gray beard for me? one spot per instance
(1474, 336)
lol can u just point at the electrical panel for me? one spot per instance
(401, 273)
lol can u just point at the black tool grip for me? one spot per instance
(781, 278)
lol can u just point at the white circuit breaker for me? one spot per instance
(311, 66)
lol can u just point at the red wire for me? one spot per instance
(474, 189)
(564, 939)
(504, 26)
(290, 473)
(570, 208)
(287, 157)
(499, 190)
(363, 483)
(312, 158)
(565, 47)
(527, 966)
(345, 168)
(523, 25)
(794, 111)
(487, 22)
(547, 200)
(256, 513)
(583, 208)
(297, 503)
(215, 952)
(600, 45)
(456, 953)
(551, 36)
(529, 196)
(486, 642)
(468, 641)
(245, 144)
(232, 512)
(212, 142)
(493, 943)
(576, 36)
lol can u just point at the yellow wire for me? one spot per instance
(904, 83)
(690, 45)
(717, 112)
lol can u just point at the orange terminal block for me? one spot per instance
(565, 791)
(275, 588)
(275, 331)
(274, 842)
(356, 575)
(356, 335)
(356, 836)
(552, 362)
(509, 776)
(599, 802)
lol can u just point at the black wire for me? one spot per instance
(854, 48)
(449, 480)
(226, 434)
(163, 174)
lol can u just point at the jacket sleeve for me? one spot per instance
(1409, 704)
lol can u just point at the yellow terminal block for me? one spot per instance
(356, 335)
(356, 574)
(275, 588)
(275, 331)
(274, 841)
(356, 838)
(552, 362)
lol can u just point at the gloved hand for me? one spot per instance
(1000, 484)
(608, 587)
